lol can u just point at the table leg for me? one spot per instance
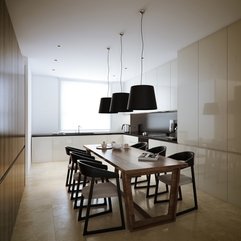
(129, 206)
(174, 194)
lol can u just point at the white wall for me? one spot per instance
(121, 118)
(45, 104)
(28, 132)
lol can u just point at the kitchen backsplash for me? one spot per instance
(152, 123)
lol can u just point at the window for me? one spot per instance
(79, 106)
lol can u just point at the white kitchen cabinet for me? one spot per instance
(213, 91)
(52, 148)
(163, 85)
(42, 149)
(234, 87)
(173, 85)
(187, 114)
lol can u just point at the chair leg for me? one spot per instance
(122, 226)
(194, 188)
(78, 189)
(156, 190)
(136, 182)
(67, 178)
(81, 208)
(149, 186)
(180, 193)
(194, 196)
(70, 180)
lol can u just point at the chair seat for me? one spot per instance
(101, 190)
(167, 179)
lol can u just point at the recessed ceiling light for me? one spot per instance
(59, 46)
(55, 60)
(53, 69)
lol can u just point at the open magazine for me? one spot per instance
(148, 157)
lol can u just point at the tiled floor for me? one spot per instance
(46, 214)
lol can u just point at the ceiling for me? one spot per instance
(69, 38)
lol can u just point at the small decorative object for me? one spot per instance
(103, 145)
(116, 146)
(126, 146)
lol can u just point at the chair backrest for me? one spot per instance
(77, 156)
(161, 150)
(187, 156)
(140, 145)
(90, 170)
(97, 164)
(69, 149)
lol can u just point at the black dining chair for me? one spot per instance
(78, 179)
(160, 150)
(140, 145)
(72, 168)
(188, 157)
(95, 190)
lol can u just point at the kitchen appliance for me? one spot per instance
(126, 128)
(172, 126)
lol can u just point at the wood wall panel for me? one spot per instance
(12, 137)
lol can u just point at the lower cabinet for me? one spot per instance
(52, 148)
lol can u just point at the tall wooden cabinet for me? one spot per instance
(12, 138)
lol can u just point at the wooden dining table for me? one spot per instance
(125, 160)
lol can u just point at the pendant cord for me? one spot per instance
(108, 70)
(121, 35)
(142, 44)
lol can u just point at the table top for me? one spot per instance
(126, 160)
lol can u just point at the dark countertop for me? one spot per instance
(76, 134)
(159, 137)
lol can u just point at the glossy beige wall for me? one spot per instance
(234, 87)
(209, 110)
(212, 91)
(11, 125)
(188, 95)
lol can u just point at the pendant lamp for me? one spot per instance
(142, 97)
(104, 107)
(119, 100)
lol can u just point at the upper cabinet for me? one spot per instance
(163, 86)
(164, 80)
(234, 87)
(213, 91)
(173, 78)
(187, 95)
